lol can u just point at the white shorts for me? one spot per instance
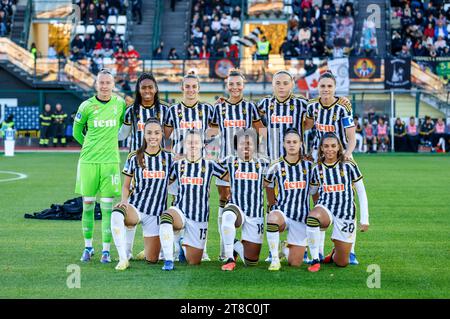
(296, 231)
(343, 230)
(173, 188)
(220, 182)
(150, 224)
(194, 232)
(252, 228)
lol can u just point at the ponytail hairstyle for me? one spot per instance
(191, 74)
(321, 155)
(235, 72)
(138, 100)
(328, 75)
(140, 151)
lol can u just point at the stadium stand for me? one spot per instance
(319, 30)
(215, 29)
(420, 28)
(7, 9)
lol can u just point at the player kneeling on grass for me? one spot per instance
(149, 168)
(246, 207)
(335, 178)
(190, 210)
(292, 176)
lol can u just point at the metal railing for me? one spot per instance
(157, 25)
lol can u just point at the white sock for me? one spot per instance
(205, 252)
(118, 234)
(219, 227)
(313, 234)
(166, 238)
(322, 242)
(374, 147)
(176, 243)
(88, 242)
(239, 248)
(129, 235)
(354, 243)
(228, 232)
(285, 250)
(106, 246)
(273, 239)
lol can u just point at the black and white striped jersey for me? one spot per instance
(291, 181)
(335, 184)
(331, 118)
(194, 179)
(149, 184)
(230, 118)
(278, 116)
(158, 111)
(247, 184)
(183, 118)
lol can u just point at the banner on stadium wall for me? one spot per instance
(339, 67)
(365, 69)
(221, 68)
(397, 73)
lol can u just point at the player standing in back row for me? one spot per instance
(98, 167)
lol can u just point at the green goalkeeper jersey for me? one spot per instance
(103, 121)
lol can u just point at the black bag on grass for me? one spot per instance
(72, 209)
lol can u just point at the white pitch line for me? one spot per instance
(20, 176)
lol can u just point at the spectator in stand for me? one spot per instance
(204, 53)
(216, 25)
(232, 51)
(109, 30)
(99, 33)
(77, 48)
(404, 53)
(3, 24)
(370, 139)
(120, 57)
(117, 42)
(91, 14)
(173, 55)
(192, 53)
(383, 135)
(225, 34)
(235, 26)
(412, 135)
(102, 13)
(426, 131)
(161, 49)
(439, 139)
(136, 7)
(107, 45)
(132, 56)
(158, 54)
(89, 45)
(51, 52)
(115, 7)
(399, 135)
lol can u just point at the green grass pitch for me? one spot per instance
(409, 206)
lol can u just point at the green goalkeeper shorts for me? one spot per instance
(97, 178)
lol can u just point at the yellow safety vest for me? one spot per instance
(263, 47)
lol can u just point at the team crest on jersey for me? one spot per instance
(203, 169)
(304, 172)
(180, 114)
(271, 107)
(244, 112)
(236, 164)
(200, 114)
(163, 162)
(334, 117)
(283, 172)
(78, 117)
(342, 173)
(292, 107)
(257, 165)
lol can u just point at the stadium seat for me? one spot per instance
(80, 29)
(121, 29)
(112, 20)
(90, 29)
(25, 117)
(122, 20)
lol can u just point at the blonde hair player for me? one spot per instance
(189, 114)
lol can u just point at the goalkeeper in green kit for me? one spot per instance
(98, 167)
